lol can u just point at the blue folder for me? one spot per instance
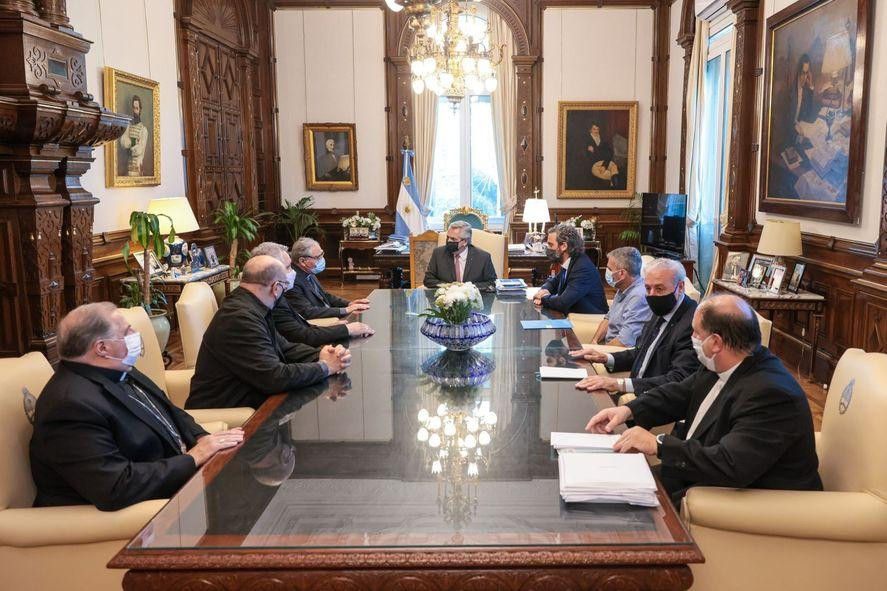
(543, 324)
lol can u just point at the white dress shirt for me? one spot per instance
(710, 398)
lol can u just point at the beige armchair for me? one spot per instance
(495, 244)
(50, 548)
(195, 309)
(177, 382)
(766, 327)
(836, 539)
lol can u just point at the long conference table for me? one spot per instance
(337, 486)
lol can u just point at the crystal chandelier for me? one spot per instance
(451, 54)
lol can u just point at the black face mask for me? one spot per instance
(452, 247)
(552, 255)
(662, 304)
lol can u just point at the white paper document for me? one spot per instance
(531, 292)
(562, 373)
(583, 441)
(606, 478)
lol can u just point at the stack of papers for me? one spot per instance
(590, 442)
(392, 246)
(510, 286)
(606, 478)
(547, 372)
(516, 248)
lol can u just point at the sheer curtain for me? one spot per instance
(504, 103)
(695, 110)
(424, 128)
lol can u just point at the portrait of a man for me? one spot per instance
(596, 149)
(133, 143)
(134, 158)
(330, 157)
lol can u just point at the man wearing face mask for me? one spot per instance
(104, 433)
(293, 326)
(624, 322)
(307, 296)
(664, 351)
(243, 359)
(459, 260)
(747, 423)
(577, 286)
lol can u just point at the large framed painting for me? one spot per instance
(133, 160)
(596, 149)
(813, 135)
(330, 156)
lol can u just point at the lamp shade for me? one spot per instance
(837, 53)
(780, 238)
(179, 211)
(536, 211)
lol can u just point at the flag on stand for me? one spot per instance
(409, 218)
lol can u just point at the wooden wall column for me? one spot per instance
(529, 124)
(686, 37)
(659, 92)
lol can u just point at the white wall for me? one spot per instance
(331, 69)
(128, 36)
(870, 212)
(595, 54)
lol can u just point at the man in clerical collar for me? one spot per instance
(104, 433)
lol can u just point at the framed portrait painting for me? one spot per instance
(596, 149)
(815, 86)
(330, 156)
(133, 160)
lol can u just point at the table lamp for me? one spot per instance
(174, 212)
(780, 238)
(536, 212)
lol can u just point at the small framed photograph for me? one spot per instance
(759, 270)
(212, 259)
(795, 282)
(154, 266)
(777, 275)
(733, 264)
(742, 278)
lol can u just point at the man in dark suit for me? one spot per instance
(577, 286)
(243, 359)
(293, 326)
(747, 421)
(664, 352)
(306, 296)
(104, 433)
(459, 260)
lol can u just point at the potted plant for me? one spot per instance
(632, 216)
(236, 226)
(157, 310)
(452, 320)
(299, 219)
(358, 227)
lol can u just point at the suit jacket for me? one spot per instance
(293, 327)
(579, 290)
(314, 303)
(758, 433)
(93, 444)
(672, 360)
(243, 359)
(479, 268)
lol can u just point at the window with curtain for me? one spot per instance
(465, 170)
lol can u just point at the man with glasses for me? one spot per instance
(243, 359)
(104, 433)
(307, 296)
(459, 260)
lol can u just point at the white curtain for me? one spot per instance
(695, 111)
(424, 128)
(504, 104)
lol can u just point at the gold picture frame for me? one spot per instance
(601, 164)
(138, 163)
(330, 156)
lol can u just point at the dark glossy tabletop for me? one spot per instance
(348, 464)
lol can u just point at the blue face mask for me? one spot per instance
(319, 266)
(608, 275)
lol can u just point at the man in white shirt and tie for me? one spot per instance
(747, 423)
(458, 260)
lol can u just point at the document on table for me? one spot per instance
(592, 442)
(606, 478)
(562, 373)
(546, 323)
(531, 292)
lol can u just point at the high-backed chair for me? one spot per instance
(51, 547)
(815, 541)
(495, 244)
(585, 325)
(689, 287)
(421, 247)
(477, 219)
(177, 382)
(195, 309)
(766, 328)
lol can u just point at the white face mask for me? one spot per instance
(290, 279)
(705, 360)
(134, 349)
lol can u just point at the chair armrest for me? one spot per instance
(837, 516)
(625, 399)
(234, 417)
(213, 427)
(178, 385)
(79, 524)
(817, 440)
(324, 321)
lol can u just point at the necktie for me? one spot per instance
(458, 268)
(651, 341)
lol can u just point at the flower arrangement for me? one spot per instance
(370, 221)
(578, 222)
(454, 302)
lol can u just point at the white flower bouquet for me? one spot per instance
(370, 221)
(454, 302)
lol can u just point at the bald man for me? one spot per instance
(243, 359)
(104, 433)
(747, 423)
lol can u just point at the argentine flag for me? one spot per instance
(409, 219)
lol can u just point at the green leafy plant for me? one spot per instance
(237, 226)
(133, 295)
(632, 216)
(144, 230)
(299, 218)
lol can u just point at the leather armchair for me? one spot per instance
(495, 244)
(195, 309)
(835, 539)
(51, 548)
(177, 382)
